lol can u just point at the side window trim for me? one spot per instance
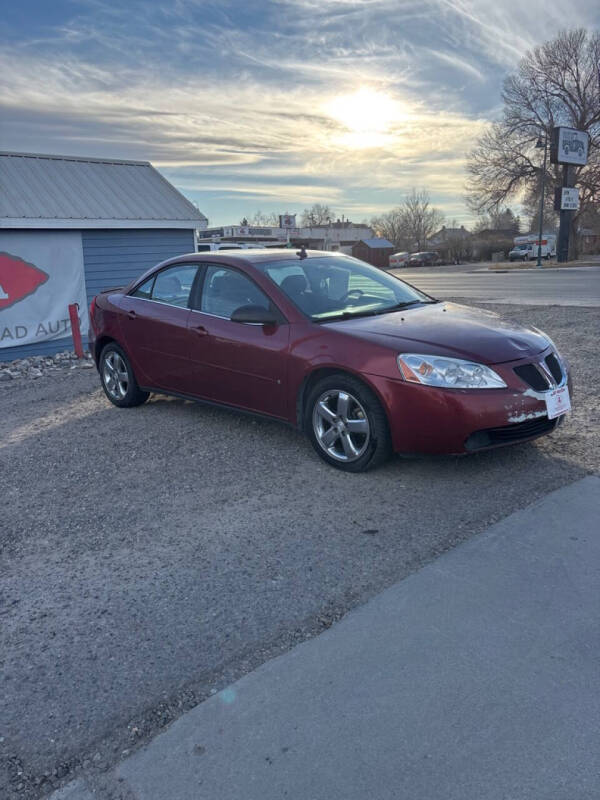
(188, 307)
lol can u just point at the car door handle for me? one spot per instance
(200, 330)
(131, 314)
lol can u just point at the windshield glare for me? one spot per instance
(330, 287)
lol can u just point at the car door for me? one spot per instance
(155, 328)
(236, 363)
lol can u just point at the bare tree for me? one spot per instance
(500, 219)
(392, 226)
(410, 225)
(421, 218)
(317, 215)
(262, 219)
(555, 84)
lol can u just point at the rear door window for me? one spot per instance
(145, 290)
(174, 285)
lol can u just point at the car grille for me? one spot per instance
(553, 365)
(510, 433)
(535, 375)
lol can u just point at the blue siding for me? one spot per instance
(116, 257)
(113, 258)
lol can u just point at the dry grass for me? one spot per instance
(506, 265)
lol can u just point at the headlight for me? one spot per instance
(448, 373)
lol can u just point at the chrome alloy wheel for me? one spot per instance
(115, 375)
(341, 425)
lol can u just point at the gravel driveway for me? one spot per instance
(151, 555)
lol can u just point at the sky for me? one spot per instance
(276, 105)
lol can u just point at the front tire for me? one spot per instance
(118, 380)
(346, 424)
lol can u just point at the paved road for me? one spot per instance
(576, 286)
(152, 554)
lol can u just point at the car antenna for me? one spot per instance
(302, 252)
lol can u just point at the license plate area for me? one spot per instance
(558, 402)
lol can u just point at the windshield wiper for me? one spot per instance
(407, 304)
(348, 315)
(373, 312)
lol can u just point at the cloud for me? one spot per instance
(236, 102)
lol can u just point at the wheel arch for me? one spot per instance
(311, 378)
(101, 343)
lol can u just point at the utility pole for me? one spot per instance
(543, 144)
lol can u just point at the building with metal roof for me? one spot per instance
(375, 251)
(71, 227)
(70, 192)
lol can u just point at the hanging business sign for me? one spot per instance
(569, 146)
(566, 198)
(41, 274)
(287, 220)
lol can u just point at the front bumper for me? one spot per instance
(425, 419)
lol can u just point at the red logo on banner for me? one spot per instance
(18, 279)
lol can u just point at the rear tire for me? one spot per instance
(346, 424)
(118, 380)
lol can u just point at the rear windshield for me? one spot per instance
(338, 287)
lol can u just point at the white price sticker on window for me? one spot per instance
(558, 402)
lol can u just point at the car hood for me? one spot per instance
(449, 329)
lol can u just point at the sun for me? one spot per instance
(367, 114)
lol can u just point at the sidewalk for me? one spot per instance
(476, 678)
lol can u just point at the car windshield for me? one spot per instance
(326, 288)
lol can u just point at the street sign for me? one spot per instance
(569, 146)
(570, 199)
(287, 220)
(566, 198)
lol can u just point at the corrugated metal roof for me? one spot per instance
(377, 243)
(72, 192)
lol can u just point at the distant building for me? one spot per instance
(335, 236)
(589, 240)
(445, 235)
(71, 227)
(453, 245)
(252, 235)
(375, 251)
(340, 236)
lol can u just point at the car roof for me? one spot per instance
(254, 255)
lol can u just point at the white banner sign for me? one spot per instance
(569, 199)
(41, 274)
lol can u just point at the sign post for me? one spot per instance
(569, 147)
(543, 144)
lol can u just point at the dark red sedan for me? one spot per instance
(362, 362)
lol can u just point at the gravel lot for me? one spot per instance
(149, 556)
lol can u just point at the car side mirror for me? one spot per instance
(256, 315)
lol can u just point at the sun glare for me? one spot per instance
(367, 115)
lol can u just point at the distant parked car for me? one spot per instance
(362, 362)
(424, 259)
(399, 260)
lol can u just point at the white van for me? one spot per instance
(399, 260)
